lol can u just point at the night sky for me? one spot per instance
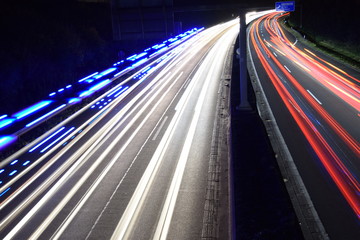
(51, 43)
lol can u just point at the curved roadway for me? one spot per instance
(316, 103)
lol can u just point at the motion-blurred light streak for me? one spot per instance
(346, 182)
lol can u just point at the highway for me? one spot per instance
(132, 164)
(316, 104)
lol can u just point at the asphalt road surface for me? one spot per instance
(134, 163)
(316, 103)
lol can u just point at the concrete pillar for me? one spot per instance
(244, 103)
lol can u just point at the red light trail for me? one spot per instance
(328, 76)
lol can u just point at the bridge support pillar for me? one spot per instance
(244, 103)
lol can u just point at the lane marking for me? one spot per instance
(287, 69)
(314, 97)
(34, 210)
(117, 187)
(275, 54)
(295, 42)
(132, 211)
(160, 127)
(93, 187)
(164, 222)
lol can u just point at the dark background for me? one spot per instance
(48, 44)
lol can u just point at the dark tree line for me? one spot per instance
(47, 44)
(330, 23)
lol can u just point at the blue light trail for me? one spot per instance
(126, 69)
(85, 94)
(74, 100)
(5, 122)
(26, 163)
(14, 162)
(6, 140)
(141, 55)
(140, 62)
(1, 194)
(100, 85)
(32, 109)
(132, 58)
(136, 60)
(106, 72)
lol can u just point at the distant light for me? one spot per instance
(61, 89)
(68, 86)
(32, 109)
(3, 116)
(6, 140)
(52, 94)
